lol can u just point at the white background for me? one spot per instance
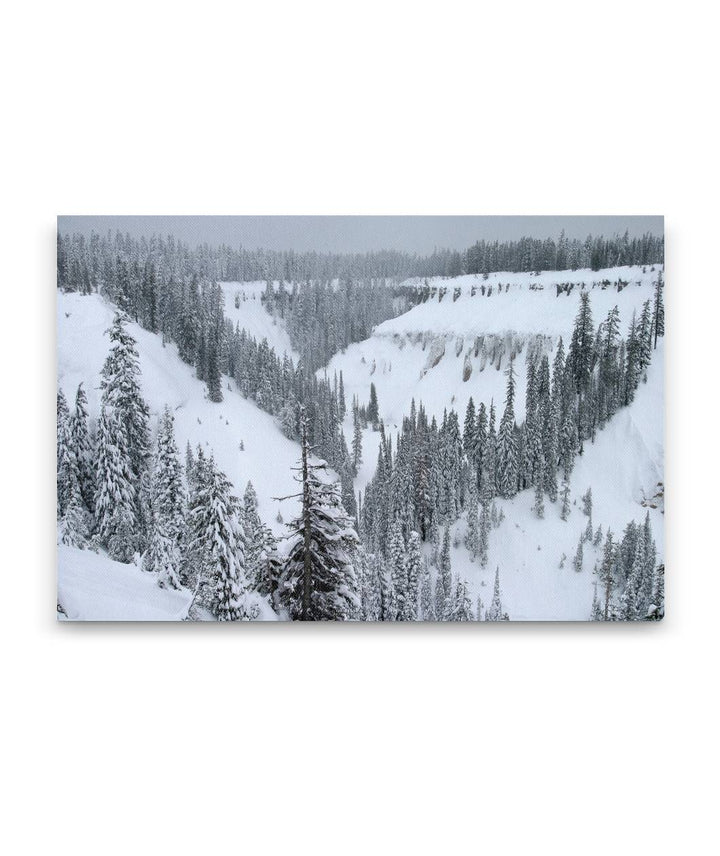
(505, 739)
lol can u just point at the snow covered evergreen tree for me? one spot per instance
(82, 448)
(167, 508)
(495, 611)
(658, 323)
(398, 572)
(414, 567)
(319, 581)
(578, 560)
(565, 494)
(68, 481)
(373, 414)
(357, 440)
(461, 605)
(472, 536)
(443, 582)
(217, 538)
(427, 602)
(121, 391)
(115, 499)
(539, 502)
(507, 453)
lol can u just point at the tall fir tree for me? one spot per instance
(319, 582)
(115, 498)
(507, 453)
(82, 447)
(218, 539)
(495, 611)
(414, 566)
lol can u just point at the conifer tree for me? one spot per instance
(472, 536)
(82, 448)
(163, 558)
(427, 604)
(469, 429)
(656, 610)
(461, 605)
(490, 474)
(607, 572)
(481, 437)
(565, 494)
(495, 611)
(539, 502)
(373, 414)
(319, 582)
(121, 391)
(658, 322)
(414, 572)
(72, 526)
(167, 508)
(253, 536)
(484, 535)
(218, 538)
(398, 572)
(63, 414)
(578, 560)
(507, 461)
(480, 610)
(357, 440)
(68, 482)
(214, 379)
(443, 582)
(115, 500)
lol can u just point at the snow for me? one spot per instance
(252, 317)
(529, 306)
(92, 587)
(624, 465)
(422, 354)
(401, 356)
(268, 455)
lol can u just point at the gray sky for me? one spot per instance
(359, 234)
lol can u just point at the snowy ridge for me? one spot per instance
(441, 353)
(166, 379)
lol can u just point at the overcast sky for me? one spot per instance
(359, 234)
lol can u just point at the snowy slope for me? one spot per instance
(91, 587)
(623, 466)
(425, 353)
(251, 316)
(219, 428)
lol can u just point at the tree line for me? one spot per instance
(141, 268)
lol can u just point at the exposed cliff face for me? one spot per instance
(478, 353)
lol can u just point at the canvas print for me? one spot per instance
(426, 419)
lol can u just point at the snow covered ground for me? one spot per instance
(425, 353)
(91, 587)
(438, 352)
(268, 455)
(623, 466)
(251, 316)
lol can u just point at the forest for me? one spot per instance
(383, 554)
